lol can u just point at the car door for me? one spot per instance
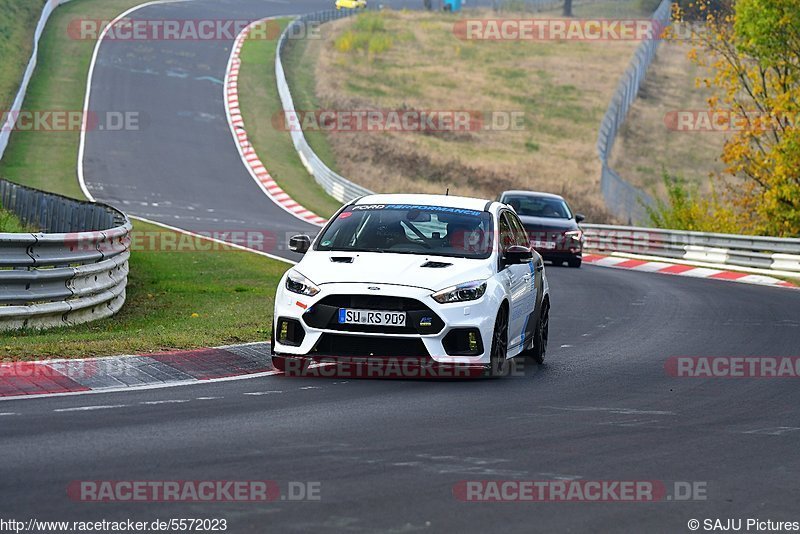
(519, 281)
(535, 274)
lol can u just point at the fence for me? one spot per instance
(755, 252)
(624, 200)
(73, 266)
(335, 185)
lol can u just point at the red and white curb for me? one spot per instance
(684, 270)
(123, 373)
(254, 165)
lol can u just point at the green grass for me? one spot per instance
(175, 300)
(260, 105)
(58, 84)
(17, 23)
(10, 223)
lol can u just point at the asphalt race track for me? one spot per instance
(181, 166)
(388, 453)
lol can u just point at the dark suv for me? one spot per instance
(553, 229)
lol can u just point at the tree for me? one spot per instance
(753, 56)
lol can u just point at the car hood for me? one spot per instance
(548, 223)
(396, 269)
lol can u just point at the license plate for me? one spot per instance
(372, 317)
(544, 244)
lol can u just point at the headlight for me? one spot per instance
(461, 292)
(577, 235)
(297, 283)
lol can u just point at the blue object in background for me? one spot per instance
(452, 5)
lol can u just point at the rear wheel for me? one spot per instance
(498, 362)
(539, 349)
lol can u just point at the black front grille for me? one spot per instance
(419, 318)
(347, 345)
(372, 302)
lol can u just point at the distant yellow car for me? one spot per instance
(351, 4)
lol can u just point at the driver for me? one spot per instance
(387, 235)
(466, 235)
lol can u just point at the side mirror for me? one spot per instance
(580, 217)
(300, 244)
(516, 255)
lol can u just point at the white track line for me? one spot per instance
(215, 240)
(87, 96)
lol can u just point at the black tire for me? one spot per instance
(576, 263)
(539, 349)
(498, 362)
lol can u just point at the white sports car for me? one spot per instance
(439, 279)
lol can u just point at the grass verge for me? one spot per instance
(46, 160)
(10, 223)
(175, 300)
(262, 112)
(17, 24)
(647, 147)
(397, 60)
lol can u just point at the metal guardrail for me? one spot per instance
(74, 269)
(773, 253)
(623, 199)
(334, 184)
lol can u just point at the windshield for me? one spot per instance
(407, 229)
(532, 206)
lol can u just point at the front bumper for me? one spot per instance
(425, 337)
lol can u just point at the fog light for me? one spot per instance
(284, 330)
(473, 342)
(290, 332)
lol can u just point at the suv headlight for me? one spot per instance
(461, 292)
(577, 235)
(297, 283)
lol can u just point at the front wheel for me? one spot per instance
(498, 361)
(575, 263)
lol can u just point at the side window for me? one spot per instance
(521, 236)
(506, 233)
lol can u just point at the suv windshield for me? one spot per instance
(410, 229)
(532, 206)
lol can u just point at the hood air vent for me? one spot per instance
(342, 259)
(435, 265)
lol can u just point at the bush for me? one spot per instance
(368, 35)
(685, 209)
